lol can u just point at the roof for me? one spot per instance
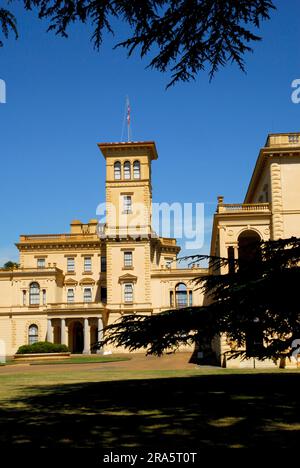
(108, 149)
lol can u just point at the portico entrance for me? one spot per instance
(79, 334)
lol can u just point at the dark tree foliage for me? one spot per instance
(10, 265)
(8, 23)
(257, 301)
(187, 36)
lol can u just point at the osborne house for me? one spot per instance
(69, 286)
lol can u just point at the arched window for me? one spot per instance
(33, 334)
(249, 248)
(136, 170)
(117, 170)
(34, 294)
(128, 292)
(181, 295)
(127, 170)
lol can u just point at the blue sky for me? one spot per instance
(63, 97)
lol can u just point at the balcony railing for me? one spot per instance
(243, 207)
(283, 139)
(75, 305)
(57, 237)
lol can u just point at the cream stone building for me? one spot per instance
(271, 210)
(69, 286)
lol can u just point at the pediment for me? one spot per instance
(87, 281)
(127, 278)
(70, 282)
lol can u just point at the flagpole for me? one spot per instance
(128, 118)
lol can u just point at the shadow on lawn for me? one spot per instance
(259, 410)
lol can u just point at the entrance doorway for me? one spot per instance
(76, 344)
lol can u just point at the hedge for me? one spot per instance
(42, 347)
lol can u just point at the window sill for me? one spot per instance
(87, 272)
(128, 268)
(70, 273)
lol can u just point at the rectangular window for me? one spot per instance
(128, 292)
(171, 299)
(24, 298)
(104, 295)
(41, 262)
(127, 204)
(44, 297)
(103, 264)
(127, 259)
(70, 264)
(88, 264)
(87, 295)
(70, 296)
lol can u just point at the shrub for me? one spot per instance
(42, 347)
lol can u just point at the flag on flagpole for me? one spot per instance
(128, 119)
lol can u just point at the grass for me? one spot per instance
(81, 360)
(72, 360)
(106, 407)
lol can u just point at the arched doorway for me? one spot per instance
(249, 259)
(76, 337)
(249, 251)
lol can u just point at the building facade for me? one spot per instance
(69, 286)
(271, 210)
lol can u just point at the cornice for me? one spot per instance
(44, 246)
(127, 147)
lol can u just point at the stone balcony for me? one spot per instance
(242, 208)
(75, 305)
(37, 238)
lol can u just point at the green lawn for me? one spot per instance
(117, 407)
(79, 360)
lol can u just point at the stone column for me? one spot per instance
(100, 334)
(49, 331)
(86, 337)
(63, 332)
(236, 255)
(236, 252)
